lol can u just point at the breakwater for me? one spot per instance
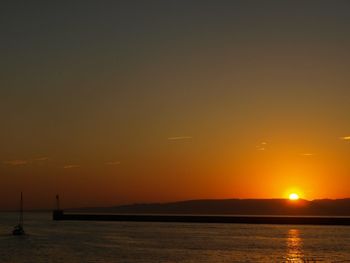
(283, 220)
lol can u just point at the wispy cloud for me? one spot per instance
(16, 162)
(70, 166)
(179, 138)
(113, 163)
(21, 162)
(345, 138)
(261, 146)
(41, 159)
(307, 154)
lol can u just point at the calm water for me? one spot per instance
(49, 241)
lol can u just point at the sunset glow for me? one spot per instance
(194, 131)
(293, 196)
(147, 101)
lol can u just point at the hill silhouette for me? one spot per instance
(321, 207)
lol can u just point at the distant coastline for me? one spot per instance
(322, 207)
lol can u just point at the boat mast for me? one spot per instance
(21, 211)
(57, 202)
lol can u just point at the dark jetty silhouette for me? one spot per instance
(234, 211)
(284, 220)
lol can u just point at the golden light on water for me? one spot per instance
(294, 246)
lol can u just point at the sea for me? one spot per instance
(72, 241)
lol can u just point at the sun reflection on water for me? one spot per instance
(294, 246)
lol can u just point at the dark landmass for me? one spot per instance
(323, 207)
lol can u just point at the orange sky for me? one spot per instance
(153, 102)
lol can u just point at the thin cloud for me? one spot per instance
(71, 166)
(113, 163)
(259, 148)
(19, 162)
(41, 159)
(179, 138)
(262, 146)
(307, 154)
(16, 162)
(345, 138)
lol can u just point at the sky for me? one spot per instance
(116, 102)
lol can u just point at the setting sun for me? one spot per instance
(293, 196)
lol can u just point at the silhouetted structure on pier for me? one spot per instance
(57, 213)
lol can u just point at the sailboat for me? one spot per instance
(18, 229)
